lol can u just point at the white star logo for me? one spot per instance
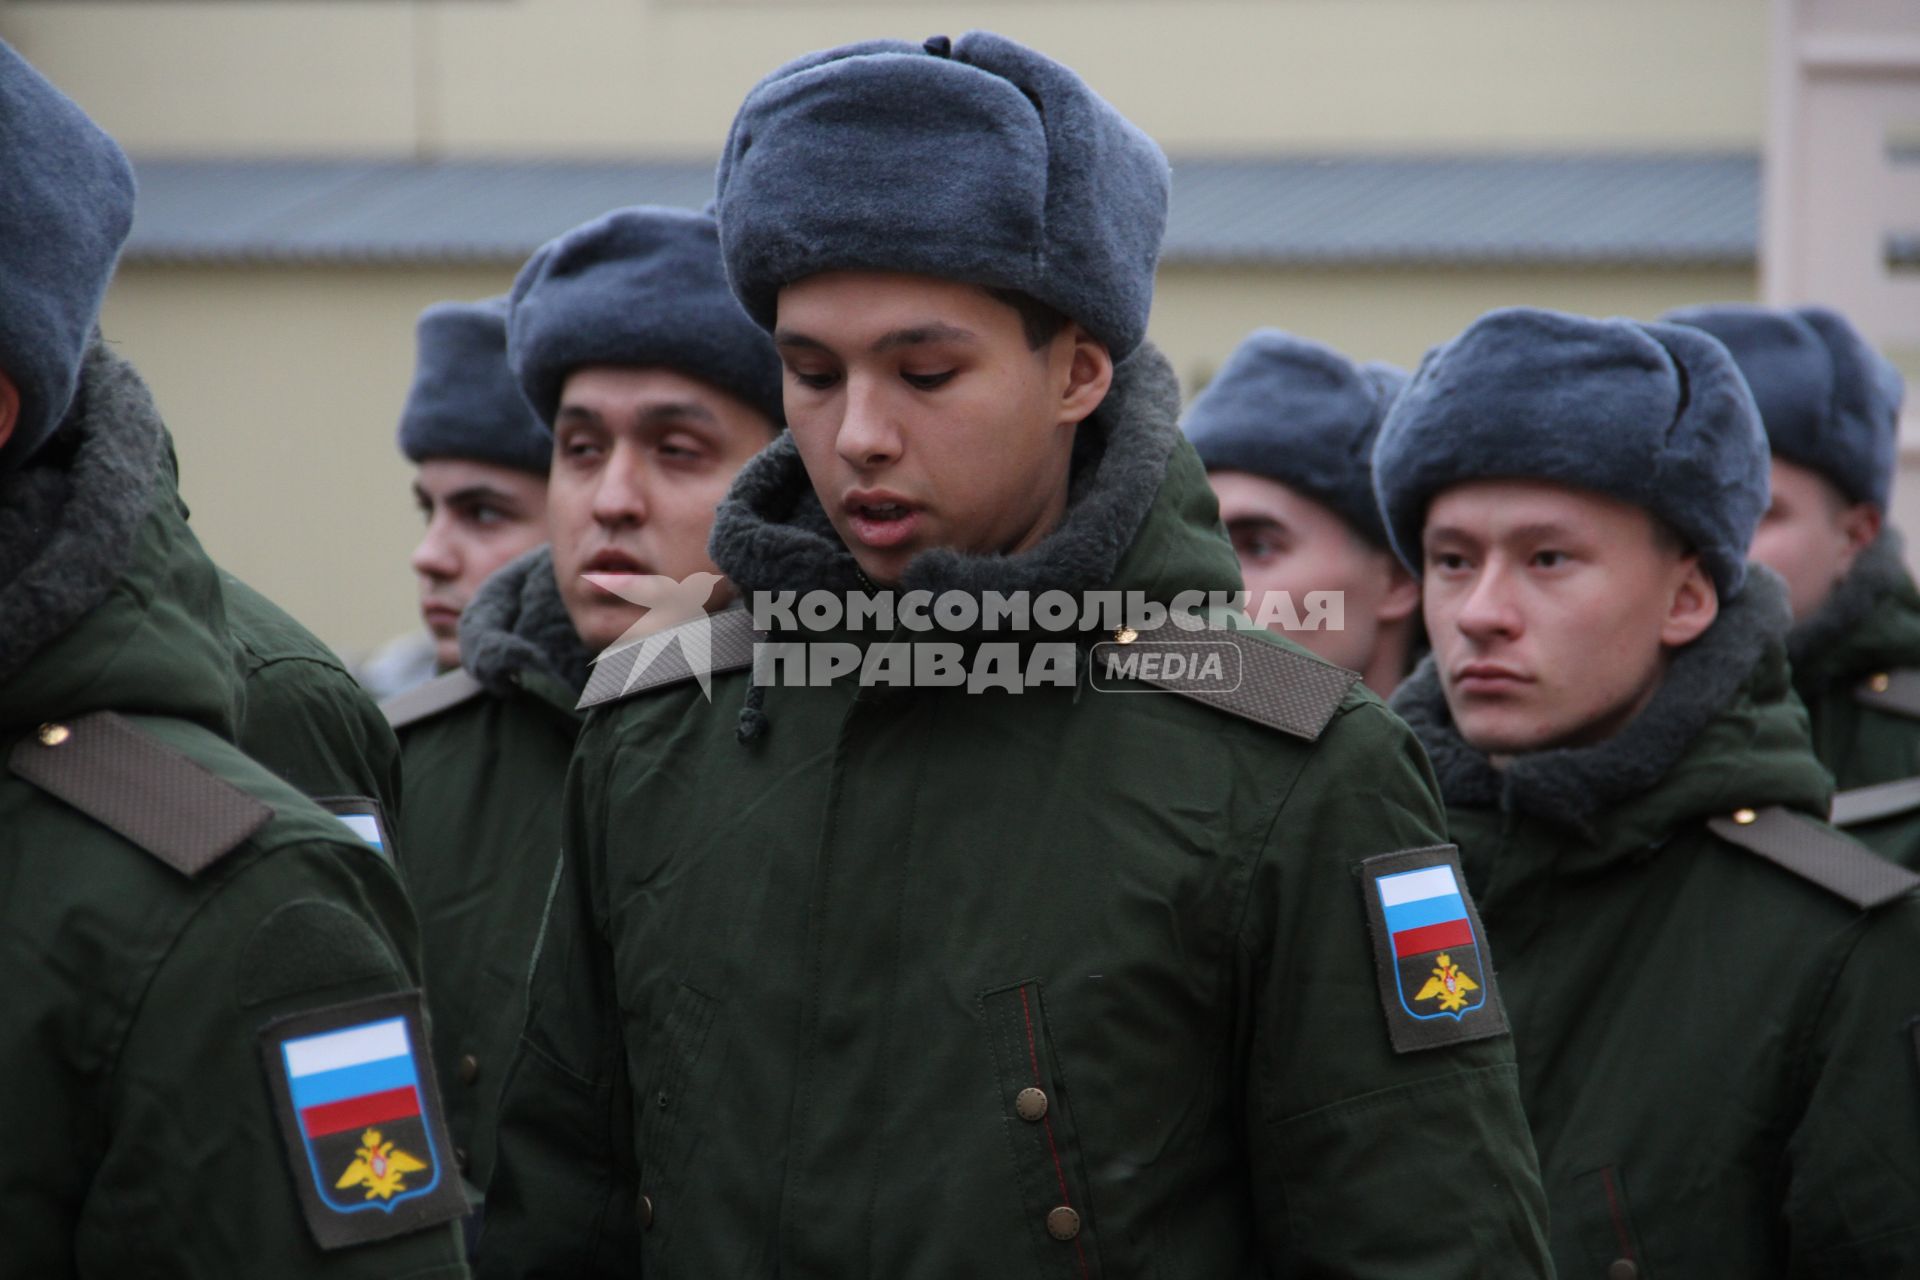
(671, 605)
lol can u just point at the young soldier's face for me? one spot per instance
(1552, 610)
(1810, 535)
(641, 457)
(1288, 542)
(479, 516)
(926, 419)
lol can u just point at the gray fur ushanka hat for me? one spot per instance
(976, 160)
(637, 287)
(1829, 401)
(1656, 415)
(66, 206)
(1300, 413)
(464, 402)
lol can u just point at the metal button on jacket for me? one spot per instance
(1063, 1223)
(469, 1068)
(1030, 1105)
(1623, 1269)
(646, 1212)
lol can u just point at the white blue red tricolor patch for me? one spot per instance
(354, 1092)
(1436, 982)
(364, 817)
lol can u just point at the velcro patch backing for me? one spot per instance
(1436, 978)
(353, 1090)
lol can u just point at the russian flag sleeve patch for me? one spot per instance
(364, 817)
(354, 1093)
(1436, 979)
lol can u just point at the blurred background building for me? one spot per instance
(1372, 173)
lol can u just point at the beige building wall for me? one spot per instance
(616, 77)
(1396, 314)
(283, 387)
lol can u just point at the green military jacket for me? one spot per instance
(1713, 995)
(918, 982)
(180, 931)
(485, 750)
(304, 716)
(1856, 664)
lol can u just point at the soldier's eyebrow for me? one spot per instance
(1253, 523)
(912, 336)
(1437, 534)
(1538, 531)
(576, 413)
(477, 493)
(675, 411)
(920, 335)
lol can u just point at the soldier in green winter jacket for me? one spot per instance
(211, 1039)
(1713, 993)
(1831, 407)
(657, 388)
(1071, 975)
(304, 716)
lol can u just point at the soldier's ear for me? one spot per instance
(1860, 523)
(1403, 590)
(1089, 375)
(9, 407)
(1692, 607)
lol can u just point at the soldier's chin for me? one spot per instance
(1503, 732)
(599, 619)
(446, 652)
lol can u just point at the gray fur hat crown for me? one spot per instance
(976, 160)
(1656, 415)
(1829, 401)
(66, 206)
(1300, 413)
(464, 402)
(636, 287)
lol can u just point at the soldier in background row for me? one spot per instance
(1831, 406)
(654, 388)
(1286, 431)
(480, 481)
